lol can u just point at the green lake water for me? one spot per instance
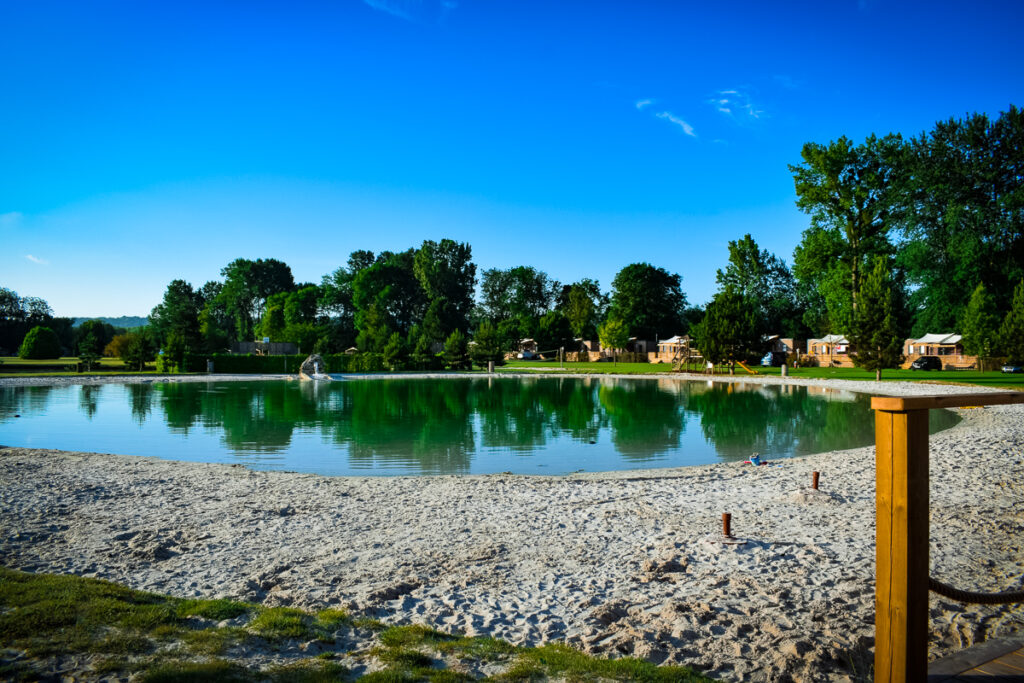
(443, 426)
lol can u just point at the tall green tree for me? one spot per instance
(336, 298)
(962, 202)
(876, 334)
(446, 272)
(247, 285)
(554, 332)
(421, 351)
(374, 332)
(178, 312)
(302, 305)
(20, 314)
(520, 292)
(91, 337)
(613, 334)
(94, 335)
(216, 324)
(40, 342)
(1012, 330)
(730, 330)
(583, 305)
(649, 301)
(273, 323)
(391, 287)
(138, 350)
(848, 192)
(488, 346)
(396, 353)
(980, 326)
(456, 351)
(764, 279)
(433, 326)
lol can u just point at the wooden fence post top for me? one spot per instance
(899, 404)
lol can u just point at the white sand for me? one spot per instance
(615, 563)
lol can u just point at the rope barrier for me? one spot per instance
(971, 597)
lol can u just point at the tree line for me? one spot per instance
(416, 308)
(906, 237)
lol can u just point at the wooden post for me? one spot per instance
(901, 528)
(901, 551)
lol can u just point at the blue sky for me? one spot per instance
(142, 142)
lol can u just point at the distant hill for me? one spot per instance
(125, 321)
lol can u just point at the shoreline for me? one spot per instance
(615, 563)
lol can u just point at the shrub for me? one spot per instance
(239, 364)
(488, 347)
(396, 353)
(40, 342)
(117, 346)
(455, 351)
(366, 362)
(137, 351)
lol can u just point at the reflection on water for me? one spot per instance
(459, 425)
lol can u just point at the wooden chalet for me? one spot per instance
(671, 349)
(832, 350)
(947, 347)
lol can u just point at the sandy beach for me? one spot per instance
(612, 563)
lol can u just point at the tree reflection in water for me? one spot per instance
(466, 424)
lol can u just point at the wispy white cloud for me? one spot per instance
(36, 259)
(640, 104)
(736, 104)
(672, 118)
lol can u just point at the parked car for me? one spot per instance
(773, 359)
(927, 363)
(528, 355)
(1014, 367)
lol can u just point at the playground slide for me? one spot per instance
(744, 366)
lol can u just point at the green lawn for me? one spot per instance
(63, 366)
(595, 368)
(965, 377)
(111, 366)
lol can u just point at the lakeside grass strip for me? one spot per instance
(994, 379)
(161, 639)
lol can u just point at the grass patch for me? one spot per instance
(403, 657)
(368, 624)
(523, 671)
(215, 610)
(279, 623)
(124, 644)
(413, 635)
(212, 641)
(311, 671)
(331, 619)
(48, 615)
(390, 676)
(560, 661)
(197, 672)
(481, 648)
